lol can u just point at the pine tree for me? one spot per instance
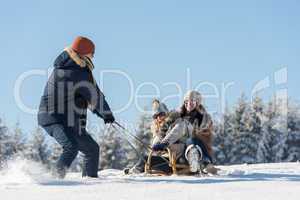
(37, 148)
(223, 140)
(243, 140)
(256, 115)
(112, 151)
(11, 142)
(239, 120)
(17, 141)
(252, 135)
(293, 143)
(293, 121)
(4, 138)
(144, 134)
(290, 143)
(270, 136)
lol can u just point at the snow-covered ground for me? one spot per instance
(24, 180)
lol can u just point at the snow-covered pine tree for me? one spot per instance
(270, 136)
(18, 141)
(130, 149)
(294, 127)
(11, 142)
(256, 115)
(244, 141)
(36, 148)
(252, 135)
(4, 138)
(239, 120)
(143, 132)
(294, 117)
(112, 151)
(223, 139)
(293, 143)
(290, 145)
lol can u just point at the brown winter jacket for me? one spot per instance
(199, 118)
(203, 126)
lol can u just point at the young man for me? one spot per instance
(70, 90)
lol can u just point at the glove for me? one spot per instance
(160, 146)
(109, 119)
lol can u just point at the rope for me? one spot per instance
(147, 147)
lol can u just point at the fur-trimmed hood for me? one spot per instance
(82, 61)
(64, 102)
(69, 58)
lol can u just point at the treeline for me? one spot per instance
(115, 151)
(258, 133)
(248, 133)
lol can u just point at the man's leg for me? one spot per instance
(90, 149)
(65, 138)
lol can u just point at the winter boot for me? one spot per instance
(193, 156)
(59, 172)
(133, 170)
(211, 169)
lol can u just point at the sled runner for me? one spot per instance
(177, 168)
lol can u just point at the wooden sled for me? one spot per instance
(177, 169)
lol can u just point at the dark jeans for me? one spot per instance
(72, 140)
(195, 141)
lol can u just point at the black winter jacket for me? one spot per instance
(70, 90)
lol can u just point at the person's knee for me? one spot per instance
(92, 149)
(189, 141)
(193, 147)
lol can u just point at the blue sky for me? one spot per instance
(151, 41)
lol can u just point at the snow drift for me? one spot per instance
(27, 180)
